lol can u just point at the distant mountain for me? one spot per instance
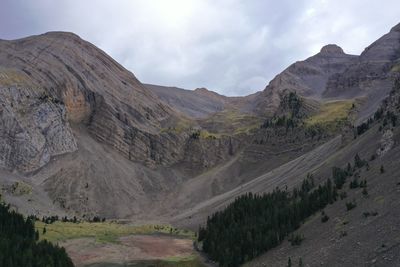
(201, 102)
(192, 103)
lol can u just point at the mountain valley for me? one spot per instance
(81, 136)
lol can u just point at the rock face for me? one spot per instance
(70, 80)
(308, 78)
(370, 76)
(33, 125)
(372, 69)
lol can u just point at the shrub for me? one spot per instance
(370, 213)
(324, 217)
(195, 135)
(351, 205)
(354, 184)
(295, 240)
(358, 162)
(339, 177)
(365, 192)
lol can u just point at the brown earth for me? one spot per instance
(127, 249)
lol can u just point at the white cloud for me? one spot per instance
(231, 46)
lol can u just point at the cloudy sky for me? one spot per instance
(230, 46)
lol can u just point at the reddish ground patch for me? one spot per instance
(159, 247)
(85, 251)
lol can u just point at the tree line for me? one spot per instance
(254, 223)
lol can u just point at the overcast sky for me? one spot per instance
(229, 46)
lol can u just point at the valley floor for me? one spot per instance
(122, 244)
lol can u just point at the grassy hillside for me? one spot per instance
(331, 112)
(231, 122)
(332, 116)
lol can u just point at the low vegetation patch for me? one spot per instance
(295, 240)
(9, 77)
(366, 214)
(231, 122)
(395, 68)
(20, 188)
(324, 217)
(102, 231)
(351, 205)
(331, 114)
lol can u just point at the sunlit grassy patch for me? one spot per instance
(20, 188)
(232, 122)
(331, 112)
(9, 77)
(207, 135)
(379, 199)
(187, 261)
(331, 115)
(396, 68)
(182, 125)
(102, 231)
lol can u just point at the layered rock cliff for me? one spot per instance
(68, 80)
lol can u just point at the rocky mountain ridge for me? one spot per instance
(109, 135)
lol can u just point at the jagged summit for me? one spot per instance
(332, 49)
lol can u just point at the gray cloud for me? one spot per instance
(230, 46)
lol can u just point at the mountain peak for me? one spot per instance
(396, 28)
(62, 35)
(332, 49)
(201, 89)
